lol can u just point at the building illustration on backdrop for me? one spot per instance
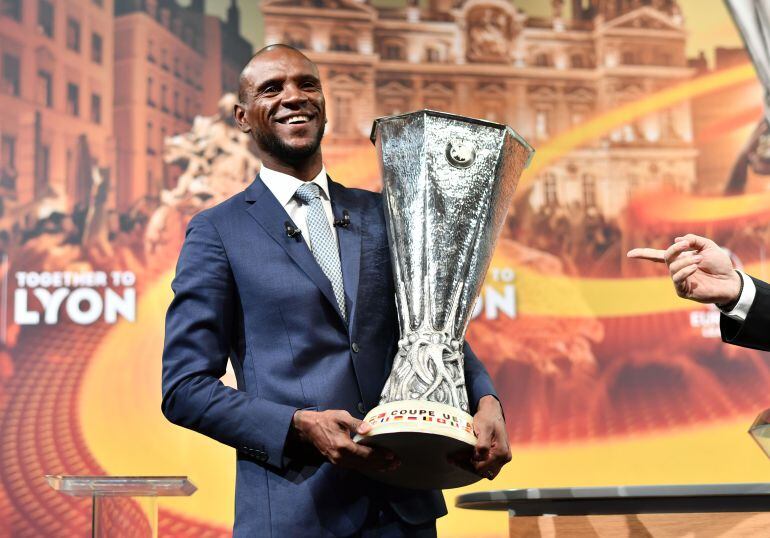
(101, 83)
(486, 58)
(180, 62)
(55, 98)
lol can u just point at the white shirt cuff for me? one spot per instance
(741, 309)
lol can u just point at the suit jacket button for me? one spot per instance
(361, 408)
(354, 347)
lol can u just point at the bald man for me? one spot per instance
(302, 303)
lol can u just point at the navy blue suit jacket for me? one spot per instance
(246, 291)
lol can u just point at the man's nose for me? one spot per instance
(293, 95)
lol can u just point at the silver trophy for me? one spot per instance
(448, 182)
(752, 17)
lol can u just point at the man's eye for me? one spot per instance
(271, 89)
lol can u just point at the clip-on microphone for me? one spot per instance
(293, 232)
(344, 222)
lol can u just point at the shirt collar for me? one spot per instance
(283, 186)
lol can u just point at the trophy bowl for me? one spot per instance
(448, 181)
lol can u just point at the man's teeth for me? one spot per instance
(298, 119)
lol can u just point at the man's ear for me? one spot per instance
(239, 113)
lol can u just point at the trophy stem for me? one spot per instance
(428, 366)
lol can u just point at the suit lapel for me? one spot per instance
(349, 240)
(271, 216)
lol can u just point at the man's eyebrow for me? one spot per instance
(269, 82)
(309, 78)
(280, 80)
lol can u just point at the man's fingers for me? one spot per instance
(489, 467)
(697, 242)
(499, 455)
(684, 261)
(371, 458)
(675, 250)
(363, 428)
(681, 245)
(483, 443)
(356, 449)
(650, 254)
(347, 421)
(486, 469)
(682, 274)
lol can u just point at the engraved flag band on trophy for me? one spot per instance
(448, 181)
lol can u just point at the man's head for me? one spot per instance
(282, 106)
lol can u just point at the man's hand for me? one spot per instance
(329, 431)
(700, 269)
(492, 450)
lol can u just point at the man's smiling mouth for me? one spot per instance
(297, 119)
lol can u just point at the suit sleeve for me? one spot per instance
(477, 379)
(199, 326)
(754, 332)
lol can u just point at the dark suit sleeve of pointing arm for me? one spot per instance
(477, 379)
(199, 326)
(754, 331)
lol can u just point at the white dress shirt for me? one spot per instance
(741, 309)
(283, 186)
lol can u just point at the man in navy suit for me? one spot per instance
(311, 349)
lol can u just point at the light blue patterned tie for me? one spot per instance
(322, 241)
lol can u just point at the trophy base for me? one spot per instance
(425, 436)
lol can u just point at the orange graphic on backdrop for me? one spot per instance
(560, 387)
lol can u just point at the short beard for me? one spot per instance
(273, 145)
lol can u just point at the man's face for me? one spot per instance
(284, 106)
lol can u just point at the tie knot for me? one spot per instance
(308, 192)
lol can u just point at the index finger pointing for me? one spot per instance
(651, 254)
